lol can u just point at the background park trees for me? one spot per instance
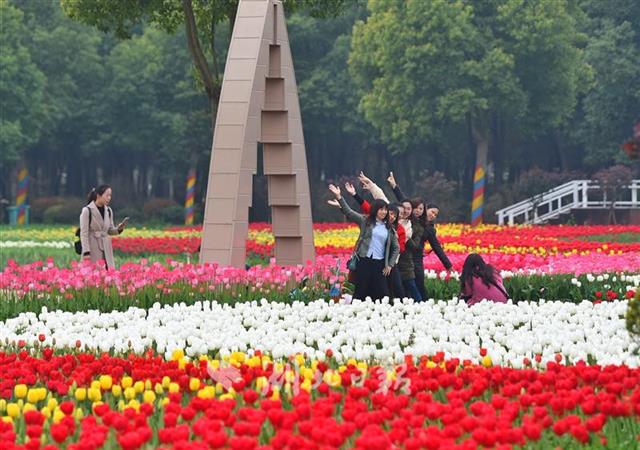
(116, 93)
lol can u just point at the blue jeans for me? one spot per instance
(411, 289)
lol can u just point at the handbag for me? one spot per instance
(78, 244)
(352, 264)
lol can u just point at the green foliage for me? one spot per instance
(153, 208)
(66, 212)
(22, 88)
(420, 65)
(613, 103)
(41, 204)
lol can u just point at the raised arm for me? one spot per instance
(346, 209)
(401, 196)
(375, 190)
(430, 234)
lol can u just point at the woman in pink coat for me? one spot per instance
(481, 281)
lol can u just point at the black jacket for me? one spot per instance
(425, 233)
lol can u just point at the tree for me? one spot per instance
(21, 89)
(201, 19)
(68, 54)
(614, 100)
(611, 180)
(422, 66)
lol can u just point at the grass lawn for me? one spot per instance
(625, 238)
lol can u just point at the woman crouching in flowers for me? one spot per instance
(481, 281)
(376, 249)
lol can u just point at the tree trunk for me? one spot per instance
(481, 140)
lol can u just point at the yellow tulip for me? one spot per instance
(139, 387)
(20, 390)
(94, 394)
(3, 405)
(207, 393)
(95, 384)
(149, 397)
(158, 389)
(7, 419)
(486, 361)
(166, 381)
(13, 410)
(129, 393)
(194, 384)
(306, 385)
(177, 355)
(78, 414)
(58, 415)
(52, 404)
(80, 394)
(29, 407)
(147, 385)
(165, 401)
(174, 387)
(116, 390)
(46, 412)
(106, 382)
(126, 382)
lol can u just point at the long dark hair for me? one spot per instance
(395, 207)
(93, 193)
(474, 265)
(415, 202)
(376, 205)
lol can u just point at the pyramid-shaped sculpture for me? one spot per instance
(258, 103)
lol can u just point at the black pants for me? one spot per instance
(419, 273)
(369, 279)
(395, 283)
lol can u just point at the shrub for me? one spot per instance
(153, 208)
(444, 193)
(173, 215)
(134, 214)
(40, 205)
(67, 212)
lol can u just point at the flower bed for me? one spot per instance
(82, 287)
(248, 401)
(380, 331)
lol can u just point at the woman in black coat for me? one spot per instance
(424, 230)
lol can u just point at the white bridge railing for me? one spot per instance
(576, 194)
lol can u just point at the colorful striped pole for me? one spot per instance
(21, 198)
(188, 202)
(478, 196)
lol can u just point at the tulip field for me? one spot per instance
(165, 353)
